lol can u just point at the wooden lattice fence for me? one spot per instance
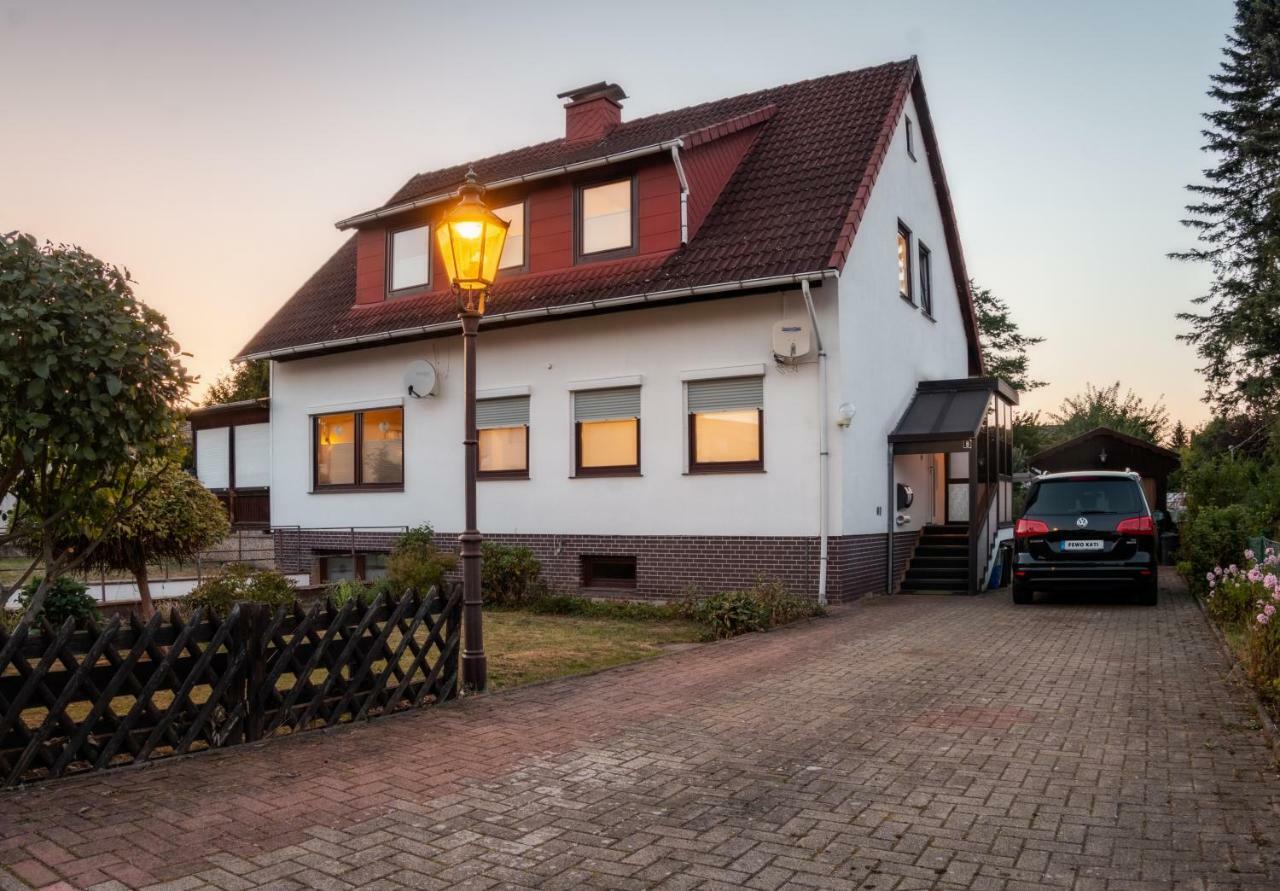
(77, 698)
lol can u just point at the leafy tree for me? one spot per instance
(1004, 346)
(1029, 436)
(248, 380)
(1106, 407)
(1237, 219)
(1179, 438)
(172, 521)
(90, 382)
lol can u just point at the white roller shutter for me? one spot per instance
(253, 456)
(213, 457)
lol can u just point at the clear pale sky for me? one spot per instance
(209, 147)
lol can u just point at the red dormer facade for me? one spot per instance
(665, 195)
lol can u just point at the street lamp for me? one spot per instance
(470, 238)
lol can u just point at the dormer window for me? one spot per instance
(513, 250)
(605, 219)
(410, 263)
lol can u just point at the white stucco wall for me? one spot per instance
(887, 344)
(656, 343)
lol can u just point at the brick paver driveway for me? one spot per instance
(910, 742)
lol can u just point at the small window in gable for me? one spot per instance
(409, 265)
(911, 139)
(926, 280)
(605, 218)
(513, 250)
(904, 262)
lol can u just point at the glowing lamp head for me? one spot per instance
(470, 238)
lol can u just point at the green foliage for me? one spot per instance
(417, 563)
(64, 598)
(552, 604)
(509, 576)
(1004, 346)
(1236, 219)
(1106, 407)
(348, 589)
(238, 583)
(766, 605)
(90, 381)
(1214, 536)
(248, 380)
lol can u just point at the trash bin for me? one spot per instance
(1168, 548)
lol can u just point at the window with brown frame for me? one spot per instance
(408, 260)
(607, 432)
(911, 138)
(513, 256)
(502, 426)
(606, 219)
(926, 280)
(726, 425)
(358, 449)
(367, 567)
(904, 263)
(608, 571)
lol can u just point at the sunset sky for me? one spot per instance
(210, 147)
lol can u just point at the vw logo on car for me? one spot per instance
(1082, 522)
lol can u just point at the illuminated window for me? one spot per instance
(503, 427)
(410, 261)
(605, 218)
(726, 424)
(513, 250)
(607, 423)
(926, 279)
(904, 262)
(363, 448)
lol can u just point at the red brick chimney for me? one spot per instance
(592, 112)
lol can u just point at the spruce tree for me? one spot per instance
(1236, 330)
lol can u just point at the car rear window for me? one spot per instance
(1085, 496)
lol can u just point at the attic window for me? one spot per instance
(605, 218)
(904, 263)
(911, 139)
(513, 250)
(410, 262)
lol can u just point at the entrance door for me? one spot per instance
(957, 487)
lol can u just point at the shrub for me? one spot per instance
(1262, 641)
(572, 605)
(1212, 537)
(347, 589)
(66, 598)
(509, 576)
(241, 582)
(732, 613)
(417, 563)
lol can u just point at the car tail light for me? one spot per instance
(1027, 528)
(1136, 526)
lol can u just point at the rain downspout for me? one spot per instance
(824, 453)
(684, 194)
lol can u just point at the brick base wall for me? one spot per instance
(666, 565)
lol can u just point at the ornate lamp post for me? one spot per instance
(470, 238)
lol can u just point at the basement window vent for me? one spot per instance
(612, 571)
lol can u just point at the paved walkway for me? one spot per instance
(910, 742)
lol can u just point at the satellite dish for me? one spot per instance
(420, 379)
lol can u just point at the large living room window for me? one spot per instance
(726, 425)
(503, 428)
(359, 449)
(409, 265)
(607, 428)
(605, 219)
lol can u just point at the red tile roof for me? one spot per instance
(792, 207)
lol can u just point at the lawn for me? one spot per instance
(525, 647)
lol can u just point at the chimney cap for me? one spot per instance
(612, 92)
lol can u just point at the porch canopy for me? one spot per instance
(946, 416)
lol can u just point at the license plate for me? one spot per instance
(1082, 544)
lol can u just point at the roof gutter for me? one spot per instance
(589, 164)
(523, 315)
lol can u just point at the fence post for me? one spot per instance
(254, 617)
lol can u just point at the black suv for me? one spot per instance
(1085, 531)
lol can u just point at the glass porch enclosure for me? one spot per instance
(970, 422)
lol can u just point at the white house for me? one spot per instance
(725, 338)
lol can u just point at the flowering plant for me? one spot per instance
(1245, 595)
